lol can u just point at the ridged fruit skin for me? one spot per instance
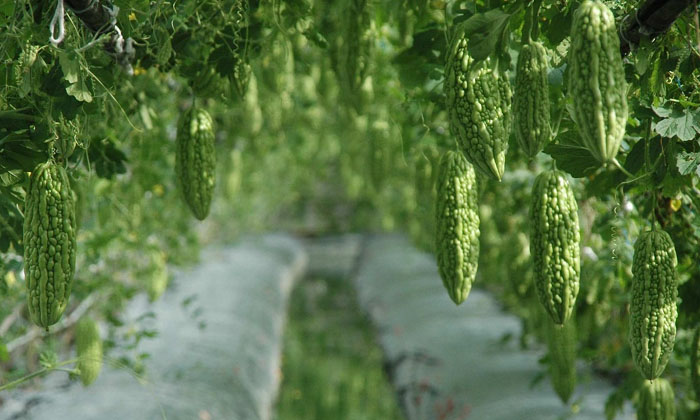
(555, 244)
(49, 243)
(478, 106)
(656, 401)
(653, 309)
(596, 80)
(531, 99)
(561, 341)
(89, 348)
(457, 225)
(196, 161)
(695, 363)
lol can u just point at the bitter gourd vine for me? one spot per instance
(241, 68)
(89, 349)
(561, 342)
(596, 80)
(531, 99)
(195, 160)
(49, 243)
(554, 244)
(656, 401)
(653, 309)
(457, 225)
(478, 106)
(695, 363)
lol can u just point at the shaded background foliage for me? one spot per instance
(339, 128)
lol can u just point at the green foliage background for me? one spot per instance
(340, 129)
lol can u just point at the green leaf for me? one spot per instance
(688, 162)
(571, 156)
(680, 123)
(69, 65)
(79, 91)
(484, 31)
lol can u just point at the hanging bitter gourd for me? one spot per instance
(653, 309)
(554, 244)
(157, 275)
(478, 106)
(457, 225)
(596, 80)
(195, 160)
(89, 349)
(49, 243)
(561, 342)
(531, 99)
(656, 401)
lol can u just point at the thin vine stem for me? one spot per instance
(42, 371)
(617, 164)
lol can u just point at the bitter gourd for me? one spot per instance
(157, 276)
(656, 401)
(653, 309)
(49, 243)
(596, 80)
(457, 225)
(478, 106)
(531, 99)
(561, 341)
(195, 160)
(554, 244)
(89, 349)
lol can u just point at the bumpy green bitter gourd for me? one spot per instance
(49, 243)
(457, 225)
(195, 160)
(596, 80)
(653, 309)
(531, 99)
(656, 401)
(89, 349)
(478, 105)
(561, 341)
(554, 244)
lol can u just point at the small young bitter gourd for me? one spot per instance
(531, 99)
(554, 244)
(157, 275)
(89, 349)
(478, 106)
(653, 309)
(596, 80)
(195, 161)
(49, 243)
(457, 225)
(656, 401)
(561, 342)
(695, 363)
